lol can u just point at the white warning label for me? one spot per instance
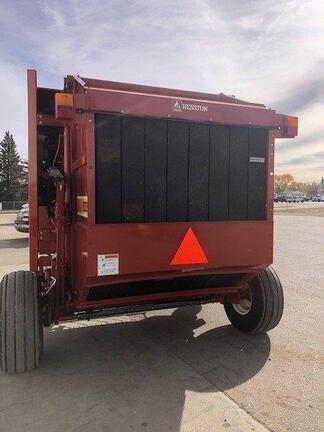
(108, 264)
(257, 159)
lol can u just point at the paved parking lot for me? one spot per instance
(185, 369)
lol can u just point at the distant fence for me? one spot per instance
(11, 205)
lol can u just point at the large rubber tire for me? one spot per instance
(266, 307)
(21, 326)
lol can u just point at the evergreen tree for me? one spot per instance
(23, 190)
(11, 171)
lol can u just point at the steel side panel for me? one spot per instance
(32, 172)
(149, 248)
(270, 175)
(104, 85)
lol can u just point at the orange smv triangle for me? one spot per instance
(190, 251)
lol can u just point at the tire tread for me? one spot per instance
(274, 304)
(267, 308)
(20, 322)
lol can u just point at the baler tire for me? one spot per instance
(21, 326)
(266, 305)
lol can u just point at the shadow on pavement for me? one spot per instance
(131, 375)
(223, 355)
(15, 243)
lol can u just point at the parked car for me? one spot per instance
(279, 198)
(22, 219)
(295, 198)
(318, 198)
(298, 198)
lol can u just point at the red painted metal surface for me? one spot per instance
(146, 251)
(149, 248)
(107, 96)
(32, 171)
(90, 83)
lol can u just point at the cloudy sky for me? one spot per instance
(264, 51)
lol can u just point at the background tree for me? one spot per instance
(283, 182)
(11, 170)
(311, 189)
(23, 189)
(287, 183)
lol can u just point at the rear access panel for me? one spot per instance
(155, 170)
(155, 247)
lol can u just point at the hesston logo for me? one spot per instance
(178, 106)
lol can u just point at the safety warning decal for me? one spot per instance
(82, 206)
(108, 264)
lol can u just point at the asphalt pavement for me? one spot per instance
(183, 369)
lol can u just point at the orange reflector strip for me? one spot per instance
(64, 99)
(291, 121)
(190, 251)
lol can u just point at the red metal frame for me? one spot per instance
(32, 173)
(145, 250)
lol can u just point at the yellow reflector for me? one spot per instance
(291, 121)
(64, 99)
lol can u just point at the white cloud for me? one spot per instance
(264, 51)
(13, 105)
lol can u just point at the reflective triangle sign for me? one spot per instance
(190, 251)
